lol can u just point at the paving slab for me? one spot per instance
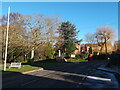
(101, 80)
(110, 69)
(103, 77)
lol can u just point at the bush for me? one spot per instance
(77, 56)
(49, 56)
(95, 53)
(95, 57)
(70, 48)
(103, 56)
(115, 59)
(49, 52)
(90, 50)
(84, 55)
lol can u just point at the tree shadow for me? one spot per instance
(64, 77)
(45, 63)
(33, 81)
(42, 61)
(70, 67)
(6, 74)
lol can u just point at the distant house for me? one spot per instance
(78, 50)
(95, 48)
(117, 45)
(85, 47)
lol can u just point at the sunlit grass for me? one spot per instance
(22, 69)
(15, 71)
(76, 60)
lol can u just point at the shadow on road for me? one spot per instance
(69, 67)
(51, 79)
(8, 74)
(32, 81)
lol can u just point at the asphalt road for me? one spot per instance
(69, 75)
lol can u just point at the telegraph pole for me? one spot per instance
(7, 39)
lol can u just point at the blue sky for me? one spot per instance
(87, 16)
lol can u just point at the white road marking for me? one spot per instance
(99, 78)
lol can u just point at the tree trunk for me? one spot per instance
(3, 55)
(101, 49)
(105, 46)
(32, 54)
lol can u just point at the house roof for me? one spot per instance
(94, 45)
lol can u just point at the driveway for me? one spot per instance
(68, 75)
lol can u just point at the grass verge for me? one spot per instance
(26, 67)
(34, 66)
(15, 71)
(76, 60)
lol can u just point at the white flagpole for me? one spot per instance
(7, 39)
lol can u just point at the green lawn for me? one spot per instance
(14, 71)
(24, 68)
(34, 66)
(31, 67)
(76, 60)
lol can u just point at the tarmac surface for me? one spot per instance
(68, 75)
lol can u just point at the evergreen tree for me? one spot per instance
(90, 50)
(68, 33)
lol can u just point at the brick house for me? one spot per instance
(85, 47)
(117, 45)
(78, 49)
(95, 48)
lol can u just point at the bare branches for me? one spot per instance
(90, 38)
(103, 35)
(28, 32)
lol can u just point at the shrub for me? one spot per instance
(102, 56)
(90, 50)
(70, 48)
(49, 52)
(49, 56)
(95, 57)
(84, 55)
(95, 53)
(115, 59)
(77, 56)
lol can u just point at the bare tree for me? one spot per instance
(16, 35)
(28, 33)
(103, 35)
(90, 38)
(40, 30)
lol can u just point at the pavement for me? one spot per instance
(101, 79)
(114, 69)
(69, 75)
(32, 71)
(113, 72)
